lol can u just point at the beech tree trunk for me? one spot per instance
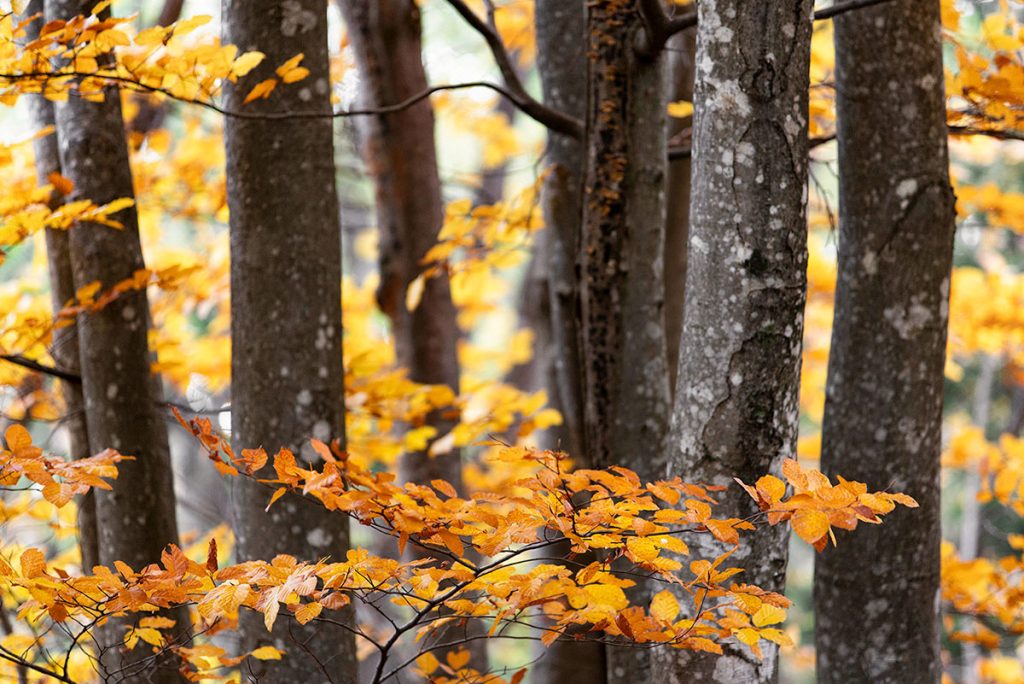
(736, 410)
(286, 367)
(64, 346)
(401, 154)
(561, 59)
(135, 520)
(625, 372)
(681, 55)
(883, 408)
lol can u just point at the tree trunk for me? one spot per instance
(122, 398)
(677, 224)
(64, 346)
(400, 151)
(883, 409)
(286, 365)
(561, 58)
(736, 410)
(625, 372)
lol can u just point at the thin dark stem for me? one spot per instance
(552, 119)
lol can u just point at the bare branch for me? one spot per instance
(552, 119)
(28, 363)
(840, 7)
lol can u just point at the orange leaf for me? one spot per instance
(810, 525)
(261, 91)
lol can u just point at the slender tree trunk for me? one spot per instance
(286, 365)
(401, 154)
(561, 59)
(883, 410)
(625, 372)
(64, 347)
(681, 56)
(137, 519)
(736, 410)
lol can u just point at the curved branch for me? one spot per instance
(551, 118)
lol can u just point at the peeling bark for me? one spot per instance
(625, 409)
(883, 408)
(736, 410)
(286, 366)
(400, 152)
(135, 520)
(64, 346)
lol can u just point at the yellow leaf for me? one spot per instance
(308, 612)
(810, 525)
(428, 663)
(247, 62)
(681, 109)
(415, 292)
(266, 653)
(664, 606)
(768, 614)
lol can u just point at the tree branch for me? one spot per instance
(659, 26)
(514, 90)
(28, 363)
(838, 8)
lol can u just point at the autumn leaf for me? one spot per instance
(810, 525)
(261, 91)
(664, 606)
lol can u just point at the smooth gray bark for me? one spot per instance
(625, 411)
(64, 346)
(681, 64)
(736, 409)
(135, 520)
(883, 409)
(400, 152)
(286, 367)
(561, 59)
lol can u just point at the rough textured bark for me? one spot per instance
(681, 59)
(64, 347)
(625, 373)
(736, 410)
(561, 58)
(137, 519)
(883, 406)
(401, 154)
(286, 367)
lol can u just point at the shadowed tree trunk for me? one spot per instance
(561, 59)
(137, 519)
(736, 411)
(400, 152)
(625, 374)
(64, 347)
(883, 408)
(286, 367)
(677, 222)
